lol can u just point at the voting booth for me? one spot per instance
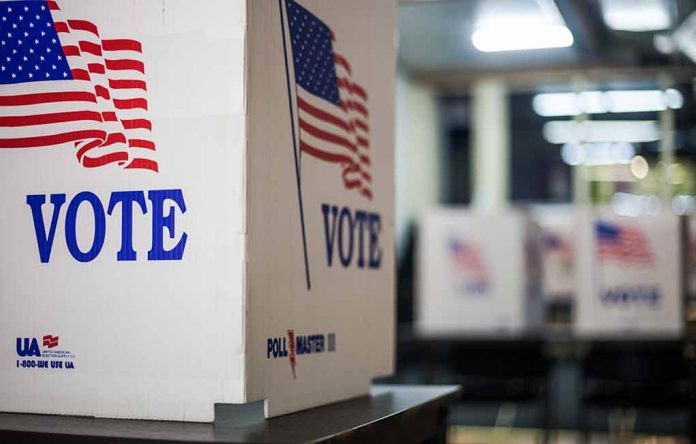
(556, 245)
(477, 273)
(196, 205)
(628, 275)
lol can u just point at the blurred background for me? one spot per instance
(545, 190)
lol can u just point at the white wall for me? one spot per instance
(417, 154)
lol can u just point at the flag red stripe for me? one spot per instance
(340, 60)
(355, 106)
(114, 138)
(111, 139)
(125, 64)
(109, 116)
(351, 184)
(137, 124)
(324, 155)
(325, 135)
(130, 103)
(53, 6)
(363, 142)
(88, 145)
(80, 74)
(83, 25)
(127, 84)
(122, 45)
(102, 92)
(44, 119)
(143, 164)
(322, 115)
(327, 156)
(91, 48)
(94, 162)
(362, 125)
(71, 50)
(61, 27)
(353, 88)
(96, 68)
(329, 118)
(365, 176)
(53, 139)
(34, 99)
(139, 143)
(355, 168)
(334, 158)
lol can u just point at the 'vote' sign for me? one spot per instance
(162, 207)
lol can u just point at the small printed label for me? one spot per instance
(291, 346)
(46, 353)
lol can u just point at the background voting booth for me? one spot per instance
(478, 273)
(202, 208)
(557, 241)
(628, 275)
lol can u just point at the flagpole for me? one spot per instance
(294, 145)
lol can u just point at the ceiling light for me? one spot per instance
(568, 104)
(516, 38)
(593, 154)
(636, 15)
(598, 102)
(631, 131)
(643, 100)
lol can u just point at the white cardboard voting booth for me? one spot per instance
(477, 273)
(196, 205)
(557, 242)
(628, 275)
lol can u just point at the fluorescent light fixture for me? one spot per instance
(568, 104)
(631, 131)
(598, 102)
(593, 154)
(514, 25)
(643, 101)
(635, 205)
(517, 38)
(636, 15)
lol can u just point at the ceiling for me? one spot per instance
(435, 37)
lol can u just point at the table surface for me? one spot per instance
(391, 413)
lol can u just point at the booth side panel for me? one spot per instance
(320, 200)
(123, 242)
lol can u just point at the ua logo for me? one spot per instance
(28, 347)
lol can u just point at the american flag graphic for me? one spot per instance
(50, 341)
(553, 243)
(622, 243)
(467, 258)
(62, 83)
(332, 108)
